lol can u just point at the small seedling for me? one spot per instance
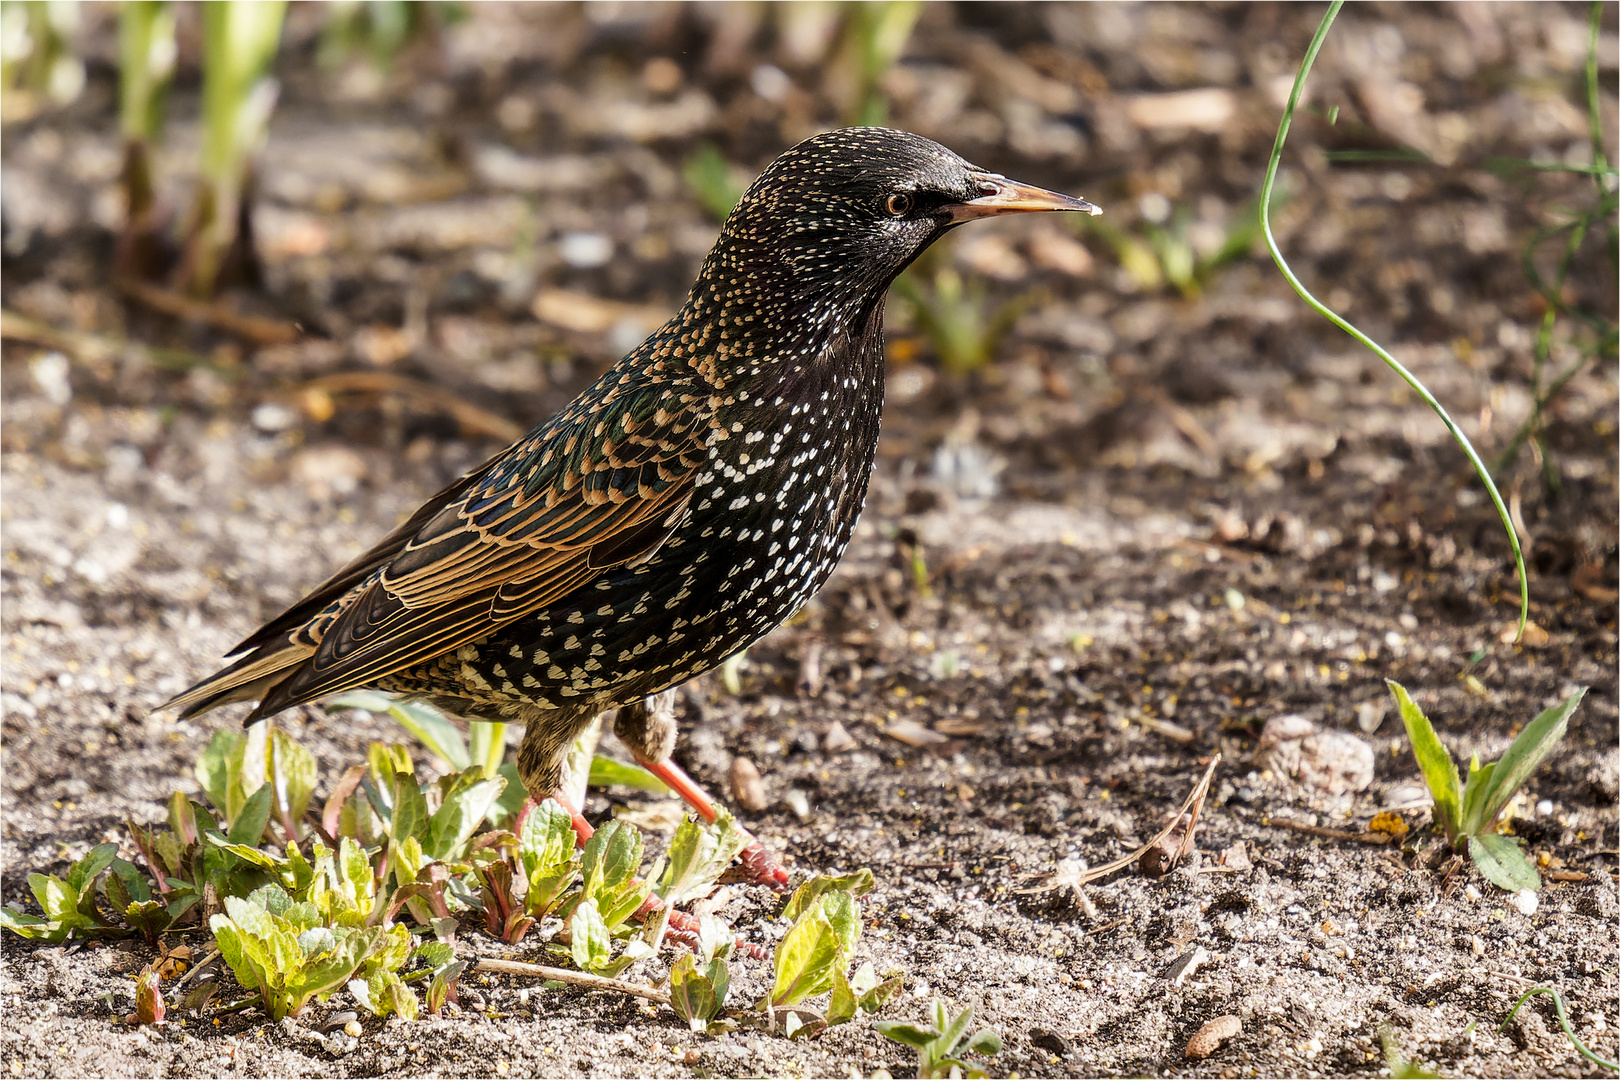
(69, 903)
(1471, 812)
(1400, 1067)
(936, 1045)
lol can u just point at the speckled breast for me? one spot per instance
(770, 517)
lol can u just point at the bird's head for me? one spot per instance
(834, 220)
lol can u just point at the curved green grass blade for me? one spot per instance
(1333, 317)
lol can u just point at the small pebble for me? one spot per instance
(1208, 1039)
(691, 1057)
(837, 740)
(1525, 900)
(747, 789)
(352, 1029)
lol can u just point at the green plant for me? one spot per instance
(1332, 316)
(955, 314)
(1596, 336)
(937, 1044)
(69, 903)
(813, 956)
(1168, 251)
(146, 57)
(240, 39)
(1563, 1022)
(875, 34)
(1469, 813)
(290, 951)
(717, 185)
(238, 764)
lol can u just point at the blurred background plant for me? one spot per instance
(37, 62)
(1572, 334)
(240, 40)
(146, 60)
(1173, 245)
(380, 30)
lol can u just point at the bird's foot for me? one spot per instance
(757, 866)
(684, 928)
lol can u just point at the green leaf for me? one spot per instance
(1473, 795)
(28, 926)
(410, 816)
(130, 880)
(845, 916)
(841, 1008)
(690, 994)
(441, 737)
(857, 884)
(547, 838)
(213, 770)
(434, 954)
(1503, 862)
(806, 956)
(443, 979)
(606, 772)
(56, 898)
(1534, 743)
(247, 826)
(245, 961)
(1434, 761)
(984, 1041)
(292, 773)
(612, 856)
(486, 746)
(910, 1034)
(955, 1029)
(590, 945)
(698, 855)
(87, 869)
(246, 852)
(513, 795)
(465, 805)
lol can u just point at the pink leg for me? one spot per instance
(759, 865)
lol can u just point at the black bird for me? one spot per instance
(684, 505)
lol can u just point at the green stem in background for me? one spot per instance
(1594, 112)
(1378, 350)
(240, 39)
(146, 55)
(1563, 1022)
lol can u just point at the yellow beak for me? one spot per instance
(1003, 196)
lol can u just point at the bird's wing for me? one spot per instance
(600, 485)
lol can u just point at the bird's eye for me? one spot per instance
(898, 204)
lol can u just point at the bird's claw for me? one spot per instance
(757, 866)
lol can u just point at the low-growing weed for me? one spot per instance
(936, 1045)
(1470, 812)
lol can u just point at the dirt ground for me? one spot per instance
(1159, 522)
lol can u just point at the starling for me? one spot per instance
(683, 506)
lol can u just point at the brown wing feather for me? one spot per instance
(534, 526)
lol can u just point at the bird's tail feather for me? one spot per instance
(247, 679)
